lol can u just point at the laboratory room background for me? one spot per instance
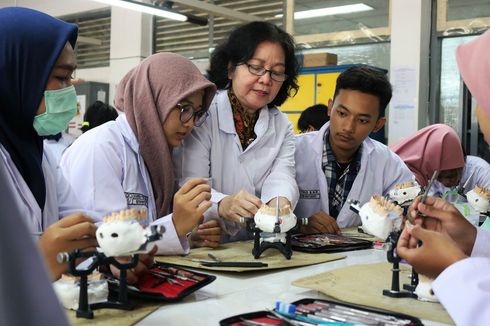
(245, 162)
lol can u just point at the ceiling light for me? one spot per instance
(154, 10)
(339, 10)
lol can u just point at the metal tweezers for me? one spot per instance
(166, 278)
(426, 193)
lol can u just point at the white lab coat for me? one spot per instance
(27, 296)
(464, 287)
(380, 170)
(60, 199)
(265, 168)
(108, 174)
(57, 147)
(481, 176)
(481, 248)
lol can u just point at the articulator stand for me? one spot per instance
(414, 281)
(483, 218)
(395, 291)
(393, 258)
(122, 300)
(266, 240)
(84, 309)
(414, 277)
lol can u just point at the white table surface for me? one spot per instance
(236, 293)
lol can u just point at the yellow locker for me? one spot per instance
(316, 86)
(294, 117)
(325, 87)
(305, 96)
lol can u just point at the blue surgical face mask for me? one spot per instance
(61, 107)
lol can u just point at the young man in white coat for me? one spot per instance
(340, 161)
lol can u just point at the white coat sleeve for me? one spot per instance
(66, 200)
(282, 178)
(464, 290)
(193, 159)
(170, 243)
(94, 169)
(481, 248)
(396, 172)
(482, 174)
(26, 296)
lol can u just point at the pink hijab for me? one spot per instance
(436, 147)
(474, 66)
(147, 94)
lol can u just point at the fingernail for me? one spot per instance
(409, 226)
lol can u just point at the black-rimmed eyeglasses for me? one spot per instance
(261, 71)
(187, 112)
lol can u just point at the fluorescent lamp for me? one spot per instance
(145, 8)
(339, 10)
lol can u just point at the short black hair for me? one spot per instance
(315, 116)
(367, 80)
(240, 46)
(98, 113)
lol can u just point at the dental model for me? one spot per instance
(124, 233)
(67, 289)
(272, 228)
(424, 290)
(267, 218)
(380, 216)
(479, 199)
(404, 192)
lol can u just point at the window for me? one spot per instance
(356, 37)
(369, 25)
(458, 21)
(193, 41)
(94, 39)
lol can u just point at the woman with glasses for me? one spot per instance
(127, 163)
(246, 146)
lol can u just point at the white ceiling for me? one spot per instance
(55, 7)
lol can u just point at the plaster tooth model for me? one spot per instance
(424, 290)
(67, 289)
(123, 233)
(265, 219)
(479, 199)
(404, 192)
(380, 216)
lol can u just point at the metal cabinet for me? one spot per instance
(87, 94)
(317, 86)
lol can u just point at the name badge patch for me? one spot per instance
(309, 194)
(135, 199)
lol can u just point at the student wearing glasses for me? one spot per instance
(246, 146)
(438, 147)
(127, 163)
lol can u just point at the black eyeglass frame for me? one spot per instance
(199, 116)
(254, 70)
